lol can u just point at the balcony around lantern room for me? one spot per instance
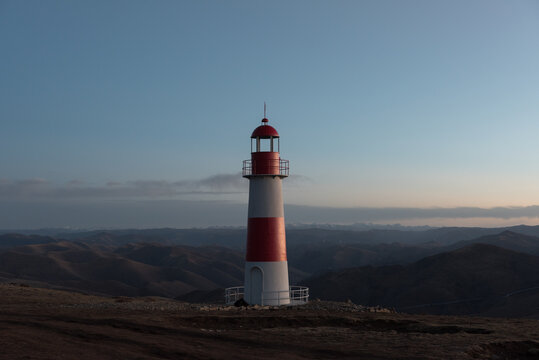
(263, 167)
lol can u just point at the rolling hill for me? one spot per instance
(476, 279)
(464, 277)
(9, 240)
(507, 240)
(133, 270)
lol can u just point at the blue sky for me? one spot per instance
(380, 104)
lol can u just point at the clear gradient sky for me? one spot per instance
(138, 113)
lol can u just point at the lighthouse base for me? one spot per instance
(266, 283)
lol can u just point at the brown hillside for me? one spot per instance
(471, 280)
(507, 240)
(12, 240)
(134, 270)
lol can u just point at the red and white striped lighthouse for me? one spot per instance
(266, 267)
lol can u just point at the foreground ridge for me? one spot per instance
(47, 320)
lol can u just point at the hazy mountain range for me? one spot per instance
(476, 279)
(433, 270)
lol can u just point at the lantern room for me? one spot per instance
(265, 153)
(265, 138)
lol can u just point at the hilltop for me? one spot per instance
(42, 324)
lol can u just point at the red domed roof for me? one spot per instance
(265, 131)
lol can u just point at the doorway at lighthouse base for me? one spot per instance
(266, 283)
(257, 280)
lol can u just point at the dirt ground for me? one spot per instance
(50, 324)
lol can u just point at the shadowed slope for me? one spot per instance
(508, 240)
(13, 240)
(139, 269)
(473, 279)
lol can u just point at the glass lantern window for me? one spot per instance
(275, 144)
(265, 145)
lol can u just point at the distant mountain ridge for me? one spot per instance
(507, 240)
(305, 234)
(150, 262)
(10, 240)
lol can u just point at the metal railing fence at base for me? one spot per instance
(296, 295)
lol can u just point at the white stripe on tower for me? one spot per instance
(265, 197)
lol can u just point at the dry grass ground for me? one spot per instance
(49, 324)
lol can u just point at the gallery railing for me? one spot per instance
(282, 168)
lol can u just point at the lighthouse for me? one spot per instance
(266, 265)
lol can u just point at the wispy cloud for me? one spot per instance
(217, 183)
(29, 189)
(36, 189)
(299, 180)
(38, 202)
(364, 214)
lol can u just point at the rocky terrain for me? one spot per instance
(51, 324)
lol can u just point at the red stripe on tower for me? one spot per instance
(266, 239)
